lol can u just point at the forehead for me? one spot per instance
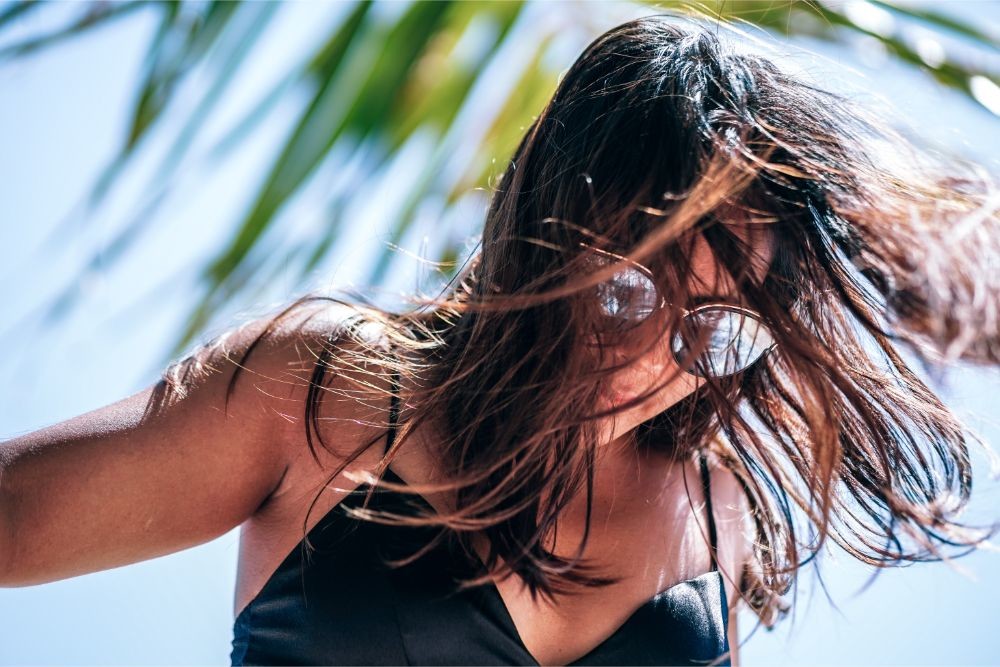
(711, 278)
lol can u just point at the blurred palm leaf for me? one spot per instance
(387, 72)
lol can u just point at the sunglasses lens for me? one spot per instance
(732, 341)
(629, 296)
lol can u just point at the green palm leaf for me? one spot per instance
(377, 80)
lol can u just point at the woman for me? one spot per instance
(678, 330)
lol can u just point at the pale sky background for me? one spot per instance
(62, 115)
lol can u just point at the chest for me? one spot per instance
(655, 545)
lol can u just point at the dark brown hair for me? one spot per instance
(658, 137)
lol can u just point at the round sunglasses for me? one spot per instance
(729, 338)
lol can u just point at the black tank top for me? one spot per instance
(342, 605)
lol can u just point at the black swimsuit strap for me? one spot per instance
(706, 487)
(393, 411)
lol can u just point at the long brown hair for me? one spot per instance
(659, 137)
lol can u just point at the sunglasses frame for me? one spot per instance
(702, 307)
(729, 307)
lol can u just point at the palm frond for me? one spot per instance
(381, 76)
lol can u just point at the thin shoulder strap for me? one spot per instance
(707, 490)
(393, 410)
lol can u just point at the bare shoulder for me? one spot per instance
(326, 394)
(298, 370)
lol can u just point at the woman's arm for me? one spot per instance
(156, 472)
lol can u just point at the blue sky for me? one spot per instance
(62, 114)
